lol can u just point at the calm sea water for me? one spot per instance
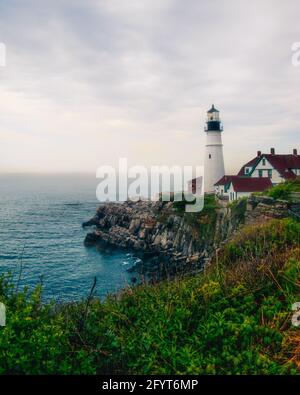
(40, 226)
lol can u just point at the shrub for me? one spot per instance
(232, 319)
(283, 191)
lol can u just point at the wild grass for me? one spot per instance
(235, 318)
(283, 191)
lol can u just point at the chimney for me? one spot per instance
(272, 151)
(258, 153)
(295, 152)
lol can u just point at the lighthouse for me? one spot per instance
(214, 161)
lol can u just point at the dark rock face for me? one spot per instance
(169, 242)
(162, 238)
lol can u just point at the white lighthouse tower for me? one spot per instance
(214, 161)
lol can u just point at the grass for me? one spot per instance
(235, 318)
(203, 222)
(238, 209)
(283, 191)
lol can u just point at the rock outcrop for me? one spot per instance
(152, 230)
(167, 241)
(262, 208)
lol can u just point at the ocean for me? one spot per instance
(41, 238)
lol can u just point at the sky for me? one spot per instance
(89, 81)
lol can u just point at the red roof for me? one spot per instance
(224, 180)
(289, 175)
(252, 163)
(194, 180)
(251, 184)
(282, 163)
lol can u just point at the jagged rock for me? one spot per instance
(155, 232)
(165, 240)
(261, 208)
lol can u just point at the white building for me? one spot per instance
(277, 167)
(259, 174)
(213, 160)
(236, 187)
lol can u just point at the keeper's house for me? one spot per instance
(235, 187)
(259, 174)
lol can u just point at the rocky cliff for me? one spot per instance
(261, 208)
(167, 239)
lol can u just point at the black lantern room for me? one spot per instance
(213, 122)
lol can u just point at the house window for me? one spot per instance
(264, 162)
(246, 170)
(270, 173)
(209, 156)
(260, 173)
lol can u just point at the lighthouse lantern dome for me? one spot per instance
(213, 114)
(213, 122)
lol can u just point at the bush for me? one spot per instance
(202, 222)
(283, 191)
(232, 319)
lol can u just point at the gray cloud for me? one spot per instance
(89, 81)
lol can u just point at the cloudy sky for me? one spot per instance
(89, 81)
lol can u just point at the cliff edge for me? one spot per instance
(167, 239)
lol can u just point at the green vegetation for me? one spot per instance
(235, 318)
(238, 209)
(204, 221)
(283, 191)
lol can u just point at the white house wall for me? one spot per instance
(243, 194)
(231, 193)
(296, 171)
(276, 179)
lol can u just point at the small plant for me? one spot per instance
(238, 208)
(234, 318)
(284, 190)
(202, 222)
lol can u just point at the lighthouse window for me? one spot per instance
(209, 156)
